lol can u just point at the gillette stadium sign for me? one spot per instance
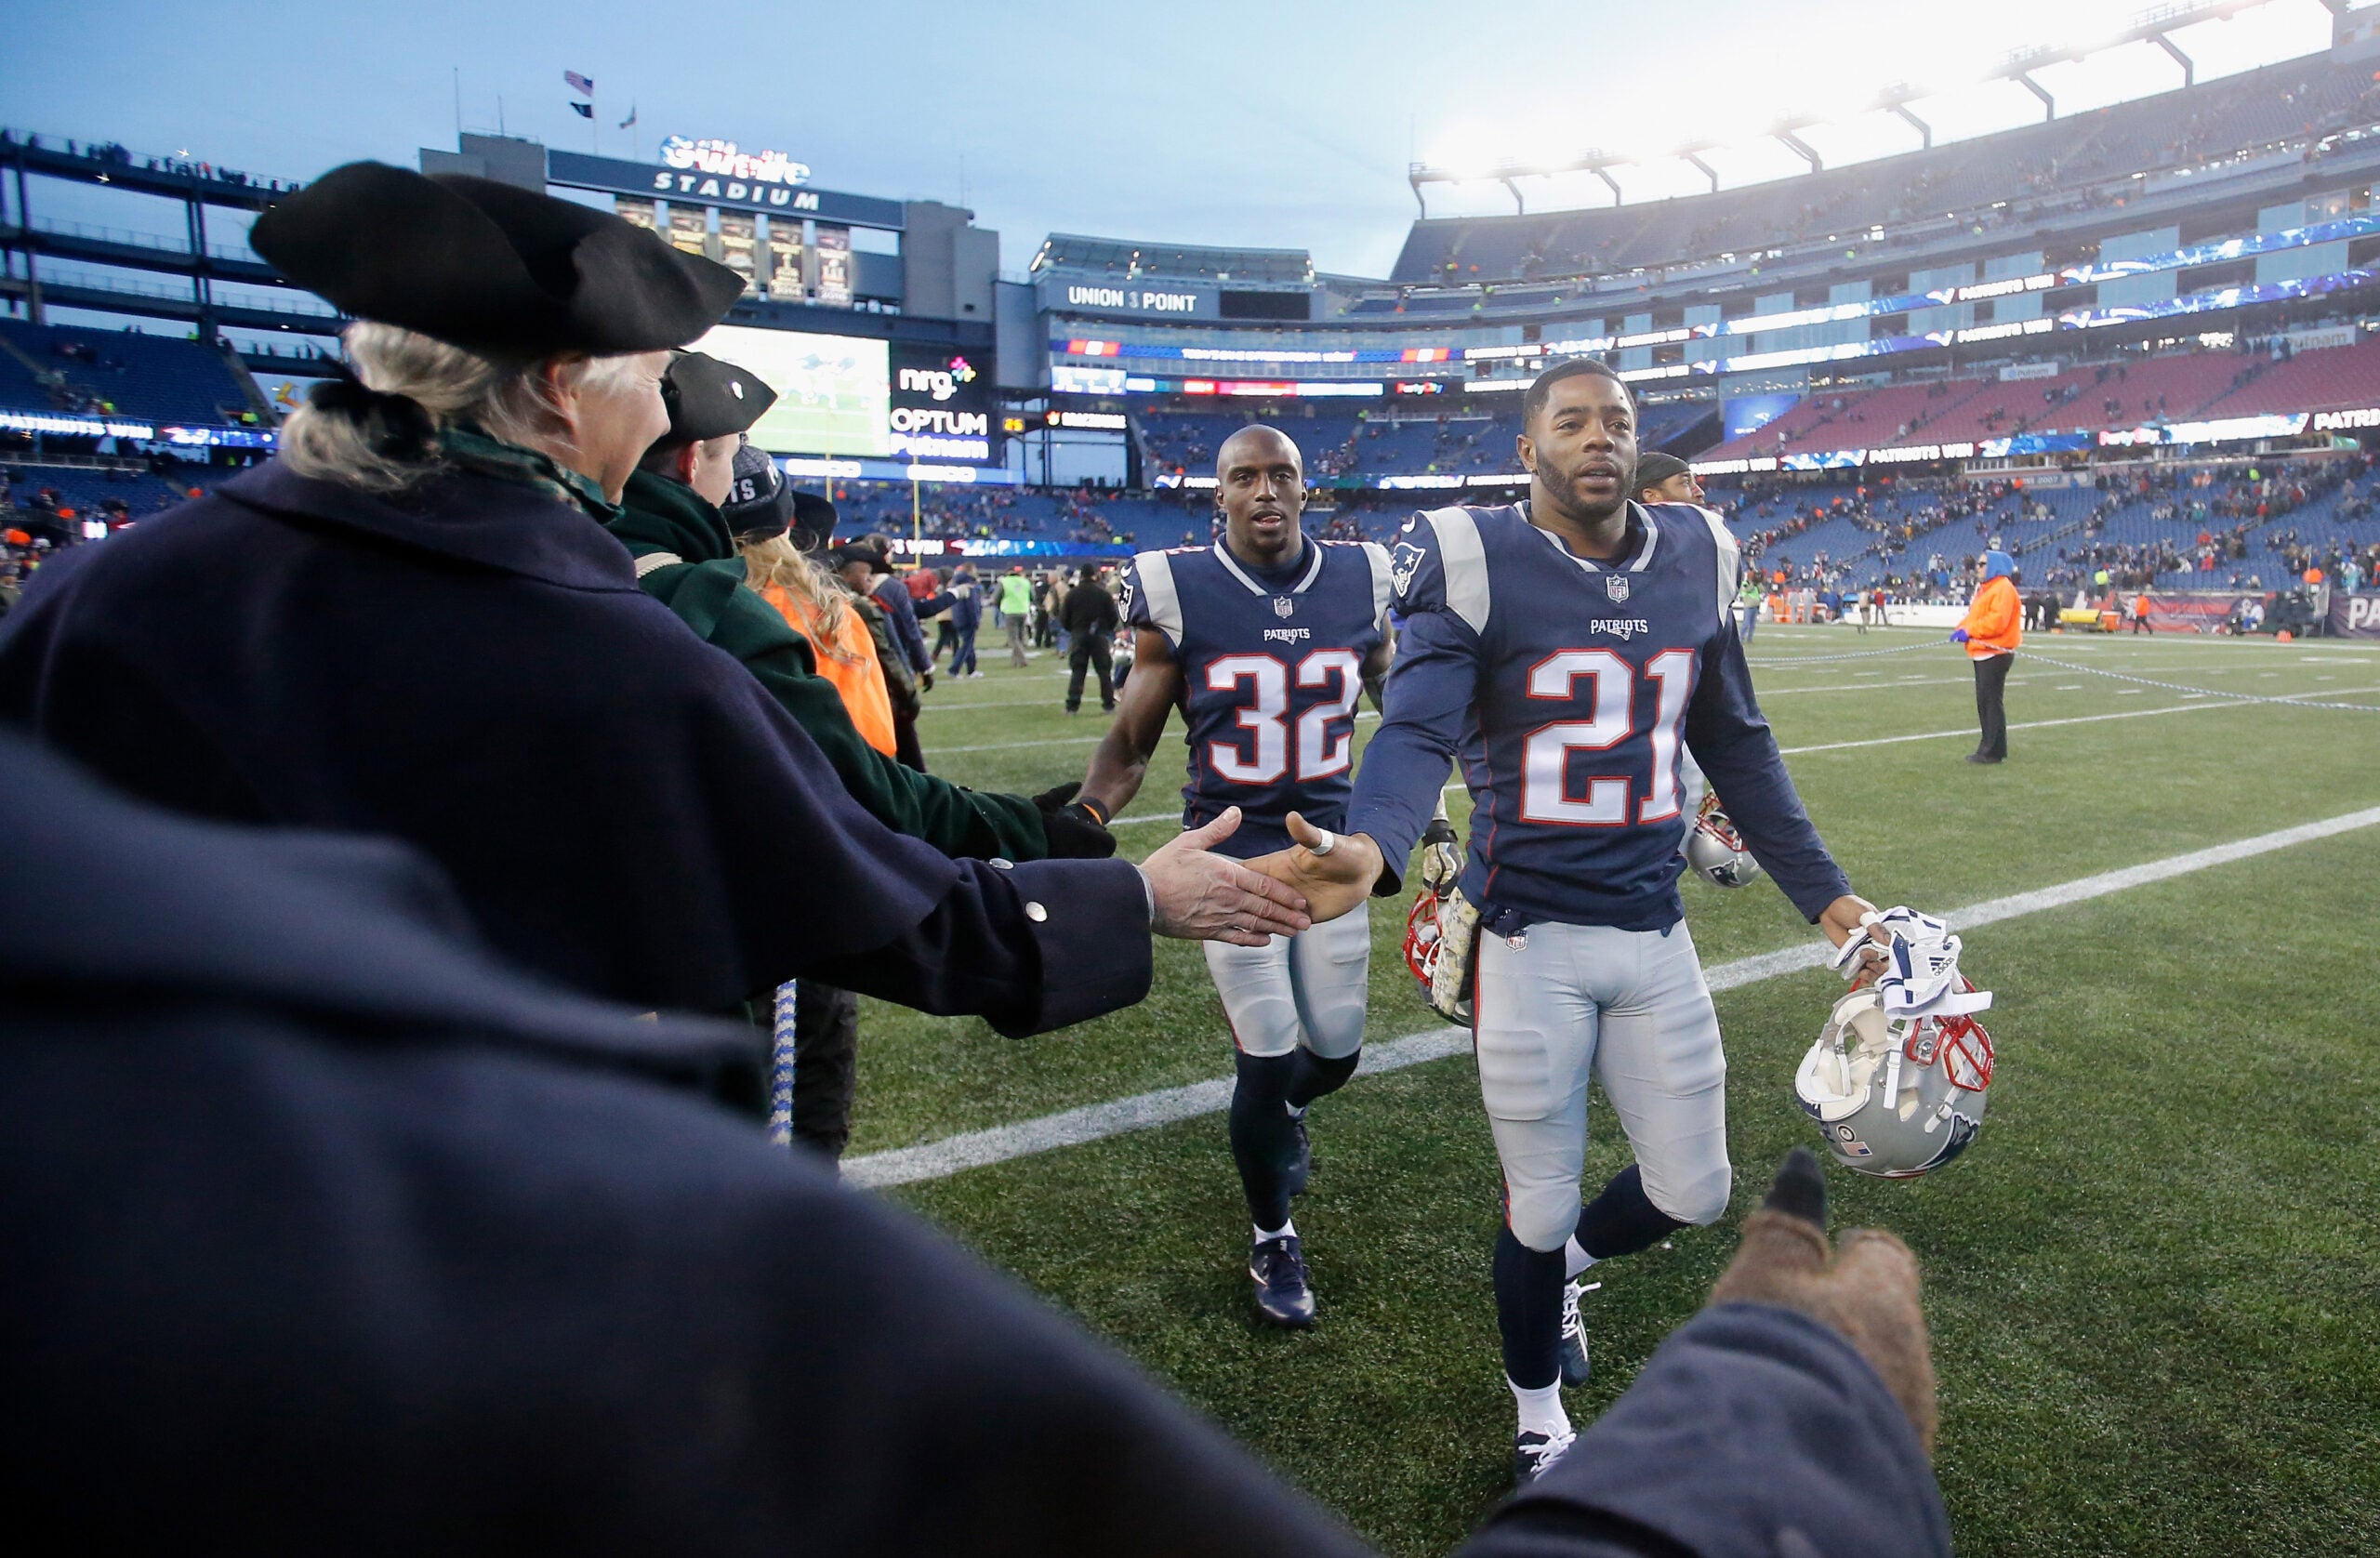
(715, 173)
(723, 158)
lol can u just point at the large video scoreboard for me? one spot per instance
(855, 396)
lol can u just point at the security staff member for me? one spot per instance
(462, 1264)
(413, 623)
(1992, 630)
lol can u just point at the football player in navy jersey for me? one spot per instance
(1568, 651)
(1263, 641)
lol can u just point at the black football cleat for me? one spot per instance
(1300, 1167)
(1574, 1337)
(1283, 1296)
(1534, 1455)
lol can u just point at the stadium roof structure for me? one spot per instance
(1123, 258)
(2155, 25)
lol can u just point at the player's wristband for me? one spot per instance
(1099, 814)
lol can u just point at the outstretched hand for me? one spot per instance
(1331, 884)
(1848, 918)
(1199, 895)
(1865, 1289)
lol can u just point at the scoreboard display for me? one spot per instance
(834, 392)
(850, 395)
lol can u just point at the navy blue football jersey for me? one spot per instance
(1567, 688)
(1269, 678)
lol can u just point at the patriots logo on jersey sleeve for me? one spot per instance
(1131, 577)
(1403, 563)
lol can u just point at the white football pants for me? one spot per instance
(1629, 1008)
(1307, 987)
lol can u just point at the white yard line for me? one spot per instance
(1968, 731)
(975, 1149)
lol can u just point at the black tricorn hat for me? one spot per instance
(490, 267)
(710, 399)
(1656, 467)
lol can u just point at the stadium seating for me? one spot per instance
(157, 378)
(2050, 163)
(87, 491)
(2125, 393)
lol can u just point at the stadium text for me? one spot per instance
(1133, 297)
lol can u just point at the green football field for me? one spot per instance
(2154, 1281)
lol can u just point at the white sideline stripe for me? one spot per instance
(2300, 698)
(1072, 1128)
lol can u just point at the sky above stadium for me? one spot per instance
(1285, 125)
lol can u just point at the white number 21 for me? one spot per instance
(1611, 696)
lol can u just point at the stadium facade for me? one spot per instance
(2181, 277)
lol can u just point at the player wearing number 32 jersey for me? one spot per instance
(1263, 641)
(1568, 651)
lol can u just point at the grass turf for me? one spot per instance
(2151, 1282)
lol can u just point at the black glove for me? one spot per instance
(1074, 830)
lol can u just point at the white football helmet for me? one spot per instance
(1898, 1096)
(1717, 850)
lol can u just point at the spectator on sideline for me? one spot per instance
(1749, 597)
(472, 668)
(1090, 619)
(778, 535)
(1016, 610)
(1991, 632)
(2140, 612)
(856, 568)
(966, 616)
(686, 558)
(1666, 479)
(584, 1306)
(900, 606)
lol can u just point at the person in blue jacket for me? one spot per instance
(326, 1229)
(966, 616)
(413, 623)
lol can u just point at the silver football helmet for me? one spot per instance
(1717, 850)
(1897, 1096)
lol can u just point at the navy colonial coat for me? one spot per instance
(326, 1231)
(470, 667)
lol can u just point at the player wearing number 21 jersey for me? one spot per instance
(1264, 641)
(1568, 651)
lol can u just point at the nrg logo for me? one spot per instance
(941, 383)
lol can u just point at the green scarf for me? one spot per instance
(469, 448)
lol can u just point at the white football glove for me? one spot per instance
(1921, 977)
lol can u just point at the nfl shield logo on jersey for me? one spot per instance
(1616, 586)
(1284, 604)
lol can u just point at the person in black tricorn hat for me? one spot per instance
(686, 558)
(412, 622)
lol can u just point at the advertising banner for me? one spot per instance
(2355, 616)
(941, 404)
(640, 212)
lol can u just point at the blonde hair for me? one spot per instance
(774, 561)
(506, 398)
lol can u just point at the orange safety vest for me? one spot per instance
(848, 661)
(1994, 620)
